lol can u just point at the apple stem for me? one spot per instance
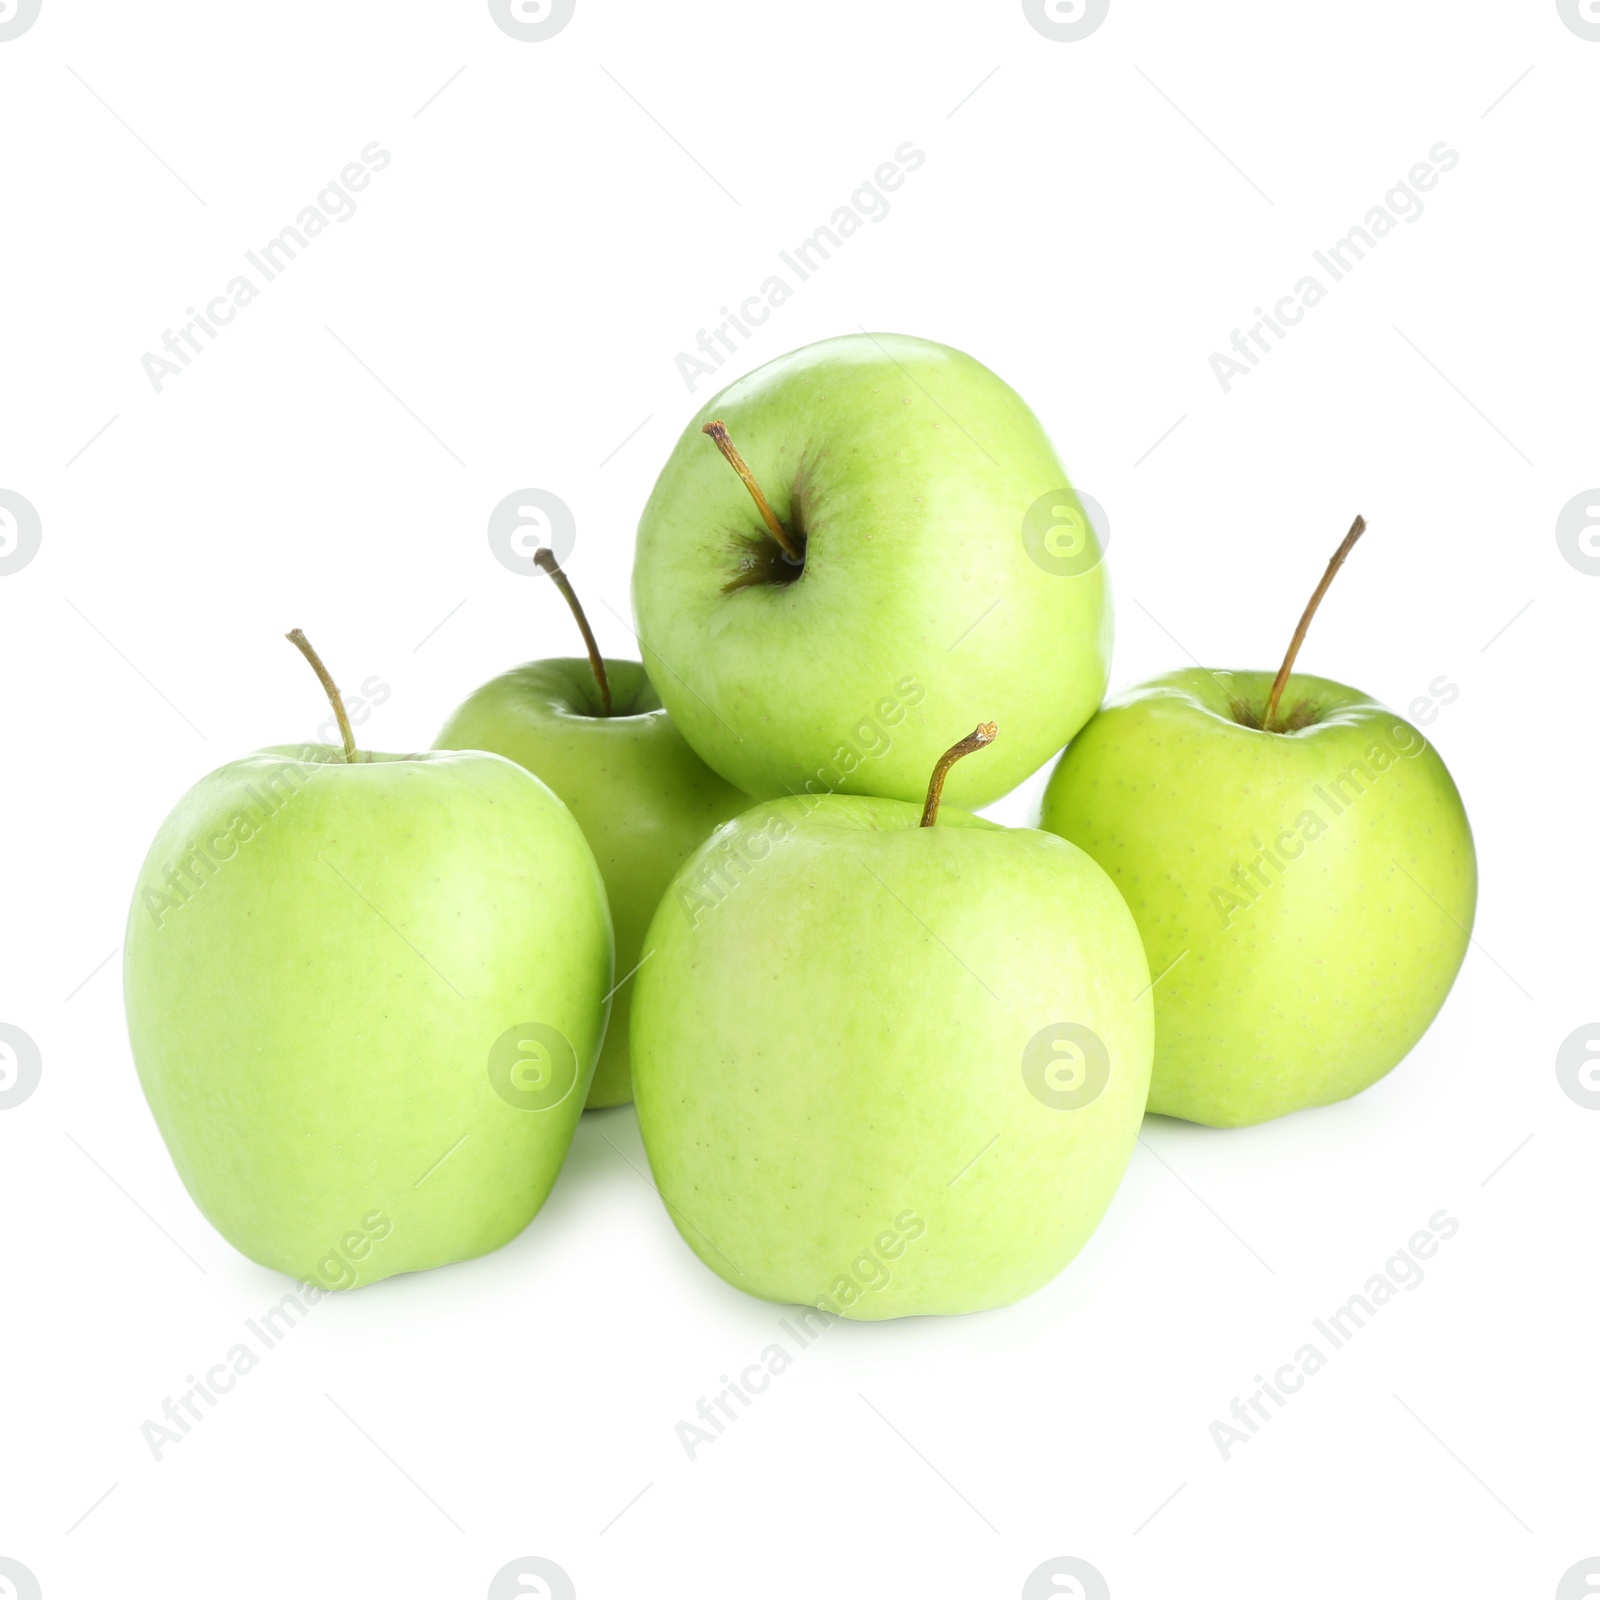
(1357, 528)
(719, 436)
(330, 688)
(980, 736)
(546, 562)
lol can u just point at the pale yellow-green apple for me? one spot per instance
(1301, 869)
(365, 995)
(596, 732)
(887, 1064)
(896, 551)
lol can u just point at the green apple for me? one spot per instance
(896, 551)
(1305, 894)
(365, 998)
(595, 731)
(887, 1069)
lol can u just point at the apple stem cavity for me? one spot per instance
(719, 436)
(1357, 528)
(546, 562)
(980, 736)
(329, 687)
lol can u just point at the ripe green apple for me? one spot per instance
(1305, 895)
(643, 798)
(365, 998)
(942, 569)
(1301, 869)
(887, 1069)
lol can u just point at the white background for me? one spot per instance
(503, 311)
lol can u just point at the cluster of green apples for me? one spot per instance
(888, 1057)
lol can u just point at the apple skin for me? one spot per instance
(313, 1024)
(911, 469)
(644, 799)
(828, 1052)
(1308, 983)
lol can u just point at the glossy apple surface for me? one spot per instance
(1305, 896)
(885, 1069)
(644, 799)
(365, 1001)
(919, 483)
